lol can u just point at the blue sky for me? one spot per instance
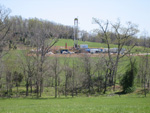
(64, 11)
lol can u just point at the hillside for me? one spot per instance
(70, 43)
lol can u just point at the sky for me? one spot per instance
(64, 11)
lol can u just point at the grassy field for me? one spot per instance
(131, 103)
(61, 42)
(70, 42)
(114, 104)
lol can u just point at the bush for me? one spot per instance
(127, 81)
(129, 89)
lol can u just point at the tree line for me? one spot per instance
(67, 76)
(20, 30)
(21, 27)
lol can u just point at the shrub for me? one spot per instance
(127, 81)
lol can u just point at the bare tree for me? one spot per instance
(4, 31)
(68, 75)
(55, 66)
(28, 67)
(123, 35)
(148, 41)
(87, 73)
(144, 72)
(99, 77)
(4, 28)
(9, 84)
(40, 34)
(73, 77)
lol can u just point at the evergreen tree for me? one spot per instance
(127, 81)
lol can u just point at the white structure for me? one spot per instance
(85, 46)
(94, 51)
(105, 50)
(75, 32)
(114, 50)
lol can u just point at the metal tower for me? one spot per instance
(75, 32)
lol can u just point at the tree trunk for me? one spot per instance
(37, 89)
(17, 89)
(55, 86)
(27, 87)
(145, 74)
(66, 82)
(73, 75)
(99, 82)
(73, 85)
(7, 89)
(76, 90)
(145, 85)
(31, 86)
(41, 86)
(148, 84)
(52, 82)
(105, 84)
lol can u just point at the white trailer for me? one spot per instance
(94, 51)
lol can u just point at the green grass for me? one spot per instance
(114, 104)
(13, 59)
(70, 42)
(133, 103)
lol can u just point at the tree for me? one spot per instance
(55, 66)
(148, 41)
(4, 28)
(68, 75)
(99, 77)
(9, 84)
(28, 67)
(1, 71)
(73, 77)
(144, 72)
(87, 73)
(4, 31)
(123, 35)
(84, 35)
(144, 40)
(40, 33)
(127, 81)
(17, 79)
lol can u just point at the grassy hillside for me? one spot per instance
(109, 103)
(70, 42)
(61, 42)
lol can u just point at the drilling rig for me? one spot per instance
(76, 33)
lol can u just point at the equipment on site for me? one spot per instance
(76, 33)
